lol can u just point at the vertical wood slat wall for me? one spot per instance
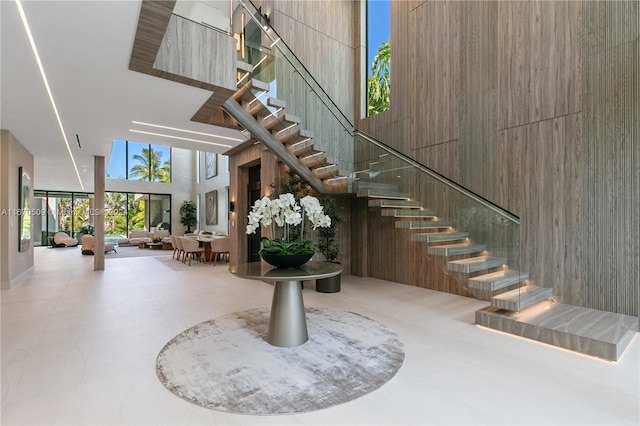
(533, 105)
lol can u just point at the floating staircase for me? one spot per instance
(486, 277)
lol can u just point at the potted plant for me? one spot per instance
(85, 230)
(288, 249)
(328, 244)
(188, 215)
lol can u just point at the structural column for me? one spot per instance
(98, 202)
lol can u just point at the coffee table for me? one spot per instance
(287, 321)
(155, 246)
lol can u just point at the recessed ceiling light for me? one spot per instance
(186, 131)
(180, 138)
(46, 85)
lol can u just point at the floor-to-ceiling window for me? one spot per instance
(74, 212)
(378, 56)
(60, 211)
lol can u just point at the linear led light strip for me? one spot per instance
(187, 131)
(180, 138)
(46, 85)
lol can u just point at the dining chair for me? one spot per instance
(191, 249)
(174, 244)
(219, 247)
(180, 247)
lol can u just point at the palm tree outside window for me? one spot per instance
(139, 161)
(378, 56)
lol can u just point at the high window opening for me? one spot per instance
(378, 56)
(139, 161)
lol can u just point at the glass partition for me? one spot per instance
(455, 223)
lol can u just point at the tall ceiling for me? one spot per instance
(85, 48)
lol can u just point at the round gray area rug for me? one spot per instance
(225, 364)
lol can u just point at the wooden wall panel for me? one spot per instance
(610, 144)
(546, 126)
(434, 77)
(539, 58)
(478, 109)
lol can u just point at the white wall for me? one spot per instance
(13, 263)
(218, 183)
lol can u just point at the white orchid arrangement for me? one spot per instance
(286, 213)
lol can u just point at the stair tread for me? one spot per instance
(497, 280)
(398, 204)
(315, 159)
(245, 93)
(302, 148)
(293, 135)
(407, 213)
(426, 224)
(243, 66)
(454, 249)
(429, 237)
(280, 122)
(390, 195)
(339, 180)
(521, 298)
(474, 264)
(590, 331)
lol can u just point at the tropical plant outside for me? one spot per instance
(150, 166)
(379, 84)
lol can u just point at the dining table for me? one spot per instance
(205, 242)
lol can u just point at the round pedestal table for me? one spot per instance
(287, 321)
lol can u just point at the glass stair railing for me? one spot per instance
(472, 240)
(284, 97)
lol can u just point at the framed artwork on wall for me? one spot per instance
(24, 222)
(210, 164)
(211, 206)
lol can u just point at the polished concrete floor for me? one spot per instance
(79, 347)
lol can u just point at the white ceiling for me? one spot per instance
(85, 48)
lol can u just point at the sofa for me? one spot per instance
(137, 237)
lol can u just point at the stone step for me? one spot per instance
(243, 66)
(407, 213)
(396, 204)
(475, 264)
(385, 187)
(497, 280)
(456, 249)
(521, 298)
(432, 237)
(339, 180)
(302, 149)
(589, 331)
(422, 224)
(388, 195)
(247, 92)
(293, 135)
(315, 159)
(261, 111)
(326, 172)
(280, 122)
